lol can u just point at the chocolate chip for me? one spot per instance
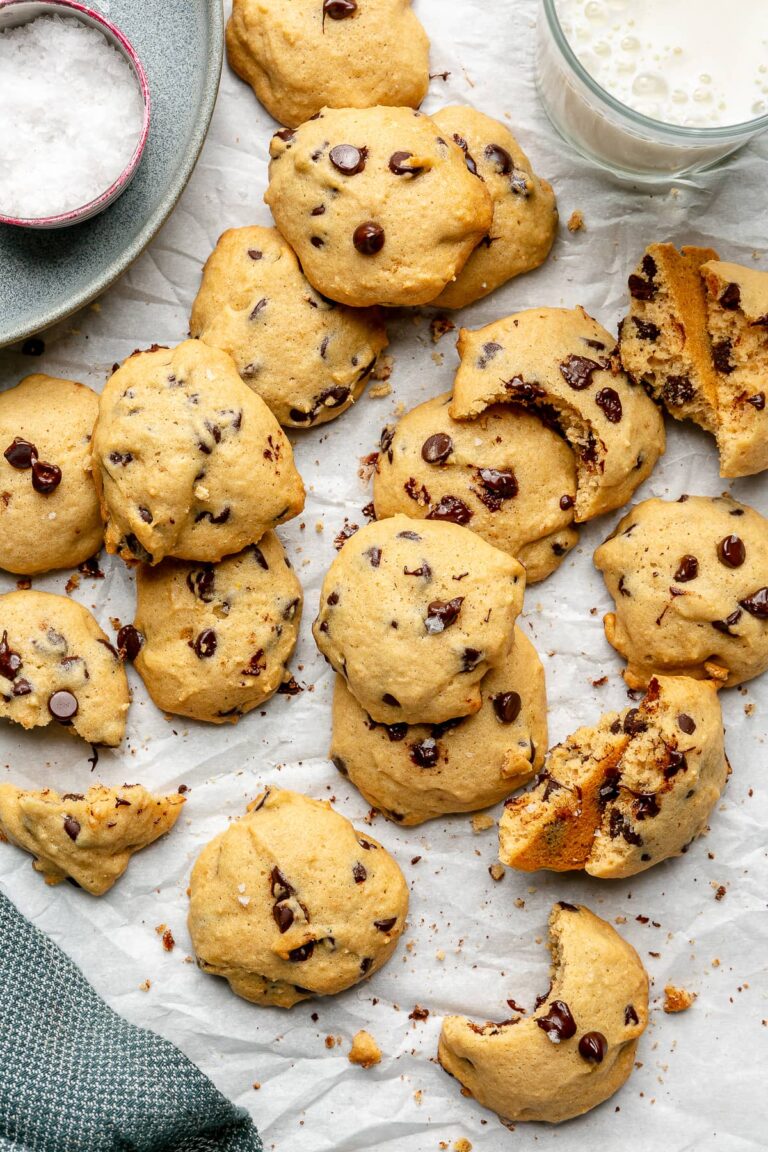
(757, 401)
(409, 536)
(129, 642)
(399, 166)
(686, 724)
(567, 502)
(609, 402)
(558, 1023)
(426, 753)
(687, 569)
(205, 644)
(366, 962)
(523, 390)
(730, 298)
(756, 604)
(437, 448)
(284, 134)
(470, 659)
(593, 1047)
(283, 916)
(566, 908)
(258, 307)
(725, 626)
(200, 582)
(503, 485)
(368, 238)
(468, 158)
(71, 827)
(721, 355)
(489, 351)
(442, 613)
(500, 158)
(302, 953)
(390, 700)
(644, 289)
(630, 1015)
(452, 509)
(10, 661)
(731, 551)
(385, 925)
(577, 371)
(279, 886)
(676, 761)
(20, 453)
(646, 330)
(339, 9)
(359, 872)
(507, 706)
(63, 706)
(348, 159)
(317, 241)
(645, 805)
(374, 555)
(256, 664)
(219, 518)
(678, 390)
(21, 687)
(618, 826)
(633, 722)
(45, 477)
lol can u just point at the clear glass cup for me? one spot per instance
(610, 133)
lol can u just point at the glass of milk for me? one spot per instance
(654, 88)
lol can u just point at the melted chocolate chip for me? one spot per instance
(558, 1023)
(366, 962)
(442, 613)
(452, 509)
(258, 307)
(437, 448)
(567, 502)
(523, 390)
(731, 551)
(725, 626)
(426, 753)
(646, 330)
(205, 644)
(687, 569)
(721, 355)
(593, 1047)
(609, 401)
(470, 659)
(390, 700)
(502, 485)
(283, 916)
(678, 390)
(566, 907)
(21, 687)
(368, 238)
(45, 477)
(634, 723)
(630, 1015)
(284, 134)
(302, 953)
(489, 351)
(577, 371)
(71, 827)
(317, 241)
(200, 582)
(619, 826)
(686, 724)
(385, 925)
(129, 642)
(500, 158)
(374, 555)
(645, 805)
(757, 401)
(756, 604)
(676, 761)
(399, 166)
(644, 289)
(507, 706)
(10, 661)
(730, 298)
(468, 157)
(63, 706)
(339, 9)
(609, 789)
(359, 872)
(20, 453)
(348, 159)
(256, 664)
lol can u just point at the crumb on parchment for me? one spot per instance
(677, 999)
(497, 872)
(364, 1051)
(481, 822)
(576, 221)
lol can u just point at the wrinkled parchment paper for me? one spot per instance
(471, 943)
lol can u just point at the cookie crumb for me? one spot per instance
(482, 822)
(383, 369)
(419, 1013)
(168, 941)
(364, 1051)
(462, 1145)
(720, 890)
(677, 999)
(576, 221)
(256, 1085)
(439, 326)
(379, 391)
(145, 987)
(497, 871)
(330, 1041)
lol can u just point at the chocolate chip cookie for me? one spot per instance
(188, 461)
(49, 510)
(57, 666)
(524, 212)
(415, 772)
(89, 838)
(308, 358)
(413, 613)
(216, 638)
(506, 475)
(301, 56)
(578, 1046)
(619, 797)
(349, 191)
(291, 902)
(561, 363)
(688, 578)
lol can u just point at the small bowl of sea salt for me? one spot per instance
(74, 113)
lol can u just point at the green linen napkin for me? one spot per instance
(75, 1077)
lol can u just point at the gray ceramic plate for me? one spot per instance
(45, 276)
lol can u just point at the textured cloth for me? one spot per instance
(75, 1077)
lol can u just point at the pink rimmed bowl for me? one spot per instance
(16, 12)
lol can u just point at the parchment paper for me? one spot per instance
(701, 1079)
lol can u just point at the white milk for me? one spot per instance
(698, 63)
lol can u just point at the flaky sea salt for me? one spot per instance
(71, 115)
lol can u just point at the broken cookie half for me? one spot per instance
(577, 1048)
(635, 789)
(89, 838)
